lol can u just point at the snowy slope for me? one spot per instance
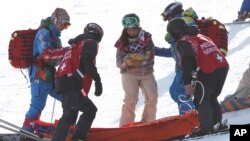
(14, 91)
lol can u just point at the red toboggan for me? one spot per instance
(161, 129)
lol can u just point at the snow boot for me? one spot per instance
(29, 124)
(221, 126)
(199, 132)
(242, 16)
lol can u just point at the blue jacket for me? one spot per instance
(188, 15)
(46, 37)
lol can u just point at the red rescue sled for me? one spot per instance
(161, 129)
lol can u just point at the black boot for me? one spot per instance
(82, 129)
(199, 132)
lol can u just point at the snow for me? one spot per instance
(16, 14)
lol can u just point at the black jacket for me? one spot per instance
(86, 66)
(188, 61)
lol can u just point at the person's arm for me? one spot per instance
(76, 39)
(188, 63)
(88, 59)
(43, 47)
(149, 52)
(163, 52)
(88, 64)
(119, 58)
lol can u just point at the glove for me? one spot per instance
(98, 88)
(189, 89)
(136, 56)
(130, 62)
(188, 97)
(71, 41)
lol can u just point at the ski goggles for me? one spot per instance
(130, 22)
(65, 24)
(166, 17)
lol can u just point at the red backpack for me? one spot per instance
(216, 31)
(21, 48)
(71, 59)
(70, 64)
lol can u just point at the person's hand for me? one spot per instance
(189, 90)
(98, 88)
(188, 97)
(71, 42)
(121, 65)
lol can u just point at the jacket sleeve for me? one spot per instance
(150, 52)
(163, 52)
(188, 61)
(52, 54)
(119, 57)
(76, 39)
(87, 62)
(44, 49)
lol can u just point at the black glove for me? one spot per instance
(98, 88)
(71, 41)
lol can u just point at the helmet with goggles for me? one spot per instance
(172, 10)
(130, 21)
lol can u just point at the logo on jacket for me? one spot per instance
(219, 57)
(63, 67)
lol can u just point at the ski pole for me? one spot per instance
(53, 110)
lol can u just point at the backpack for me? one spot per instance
(69, 65)
(21, 48)
(216, 31)
(71, 59)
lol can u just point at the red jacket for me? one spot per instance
(208, 57)
(80, 57)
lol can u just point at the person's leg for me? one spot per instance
(53, 93)
(39, 93)
(85, 121)
(178, 94)
(148, 86)
(245, 6)
(131, 89)
(62, 129)
(244, 11)
(209, 110)
(219, 77)
(70, 113)
(243, 89)
(202, 103)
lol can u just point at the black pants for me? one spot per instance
(73, 102)
(208, 107)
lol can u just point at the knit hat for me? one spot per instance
(61, 15)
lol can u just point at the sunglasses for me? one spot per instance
(65, 24)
